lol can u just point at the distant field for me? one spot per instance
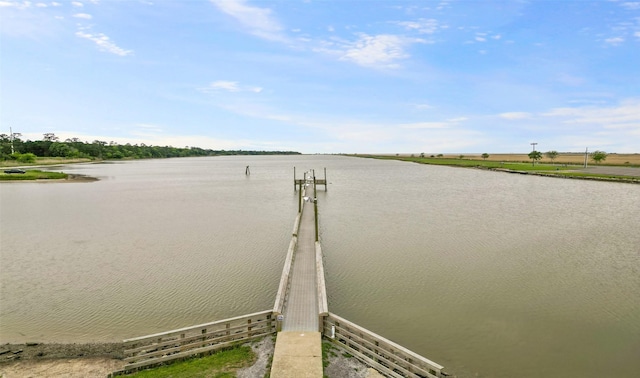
(563, 158)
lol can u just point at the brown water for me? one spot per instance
(485, 273)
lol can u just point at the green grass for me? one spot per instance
(475, 163)
(33, 175)
(328, 350)
(550, 169)
(223, 364)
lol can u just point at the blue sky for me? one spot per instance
(325, 76)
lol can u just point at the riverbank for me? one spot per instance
(610, 173)
(101, 359)
(43, 176)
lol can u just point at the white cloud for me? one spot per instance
(77, 4)
(259, 21)
(624, 115)
(103, 42)
(15, 4)
(83, 16)
(41, 5)
(377, 51)
(425, 125)
(615, 41)
(230, 86)
(514, 115)
(632, 5)
(424, 106)
(423, 26)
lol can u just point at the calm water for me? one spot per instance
(485, 273)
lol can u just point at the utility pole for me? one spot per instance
(586, 156)
(533, 161)
(11, 139)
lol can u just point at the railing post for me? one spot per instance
(315, 208)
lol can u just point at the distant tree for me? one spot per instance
(49, 137)
(552, 155)
(485, 156)
(440, 155)
(461, 157)
(535, 156)
(422, 154)
(598, 156)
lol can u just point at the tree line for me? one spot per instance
(14, 148)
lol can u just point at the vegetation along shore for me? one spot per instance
(610, 167)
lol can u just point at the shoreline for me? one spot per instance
(101, 359)
(10, 352)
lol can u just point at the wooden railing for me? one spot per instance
(285, 278)
(159, 348)
(323, 307)
(385, 356)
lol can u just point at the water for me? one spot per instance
(485, 273)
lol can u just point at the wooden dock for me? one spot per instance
(300, 318)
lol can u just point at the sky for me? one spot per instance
(325, 76)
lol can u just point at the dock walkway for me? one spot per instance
(300, 319)
(301, 308)
(298, 351)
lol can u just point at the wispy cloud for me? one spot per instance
(624, 115)
(230, 86)
(425, 125)
(15, 4)
(83, 16)
(614, 41)
(423, 26)
(259, 21)
(515, 115)
(632, 5)
(103, 42)
(383, 50)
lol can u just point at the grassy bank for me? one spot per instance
(557, 169)
(570, 158)
(222, 364)
(33, 175)
(42, 161)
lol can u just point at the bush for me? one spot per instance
(24, 158)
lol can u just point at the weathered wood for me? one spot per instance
(177, 347)
(210, 336)
(197, 328)
(397, 362)
(285, 278)
(323, 307)
(296, 224)
(377, 351)
(180, 355)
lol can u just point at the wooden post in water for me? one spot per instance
(325, 179)
(294, 179)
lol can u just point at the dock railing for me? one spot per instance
(323, 307)
(202, 339)
(385, 356)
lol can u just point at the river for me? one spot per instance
(486, 273)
